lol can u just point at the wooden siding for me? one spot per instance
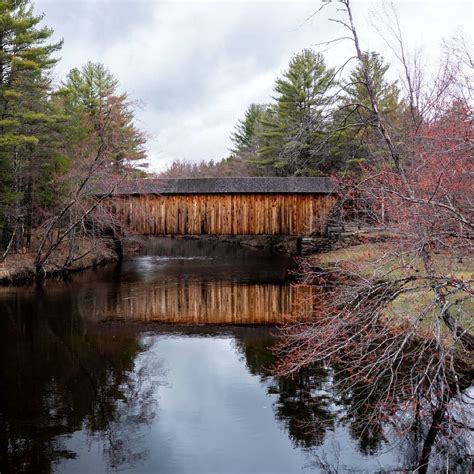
(214, 302)
(225, 214)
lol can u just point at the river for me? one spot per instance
(162, 364)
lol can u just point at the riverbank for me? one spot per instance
(370, 257)
(20, 267)
(378, 259)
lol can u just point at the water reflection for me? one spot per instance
(105, 396)
(191, 282)
(203, 283)
(303, 403)
(82, 393)
(199, 302)
(58, 375)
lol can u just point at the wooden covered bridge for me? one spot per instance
(225, 206)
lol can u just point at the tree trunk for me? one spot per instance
(430, 439)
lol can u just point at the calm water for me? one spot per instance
(116, 370)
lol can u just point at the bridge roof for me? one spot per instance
(288, 185)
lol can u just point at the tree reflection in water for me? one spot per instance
(62, 374)
(58, 375)
(314, 402)
(306, 403)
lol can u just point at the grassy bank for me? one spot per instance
(379, 260)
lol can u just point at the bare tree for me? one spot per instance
(81, 221)
(400, 321)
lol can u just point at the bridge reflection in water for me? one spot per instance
(207, 302)
(188, 282)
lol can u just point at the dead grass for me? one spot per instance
(378, 259)
(355, 254)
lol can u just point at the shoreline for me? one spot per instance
(20, 269)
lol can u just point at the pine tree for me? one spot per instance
(386, 93)
(245, 136)
(90, 97)
(296, 122)
(25, 118)
(354, 119)
(89, 88)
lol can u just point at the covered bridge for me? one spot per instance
(225, 206)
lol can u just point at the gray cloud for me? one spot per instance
(99, 22)
(197, 65)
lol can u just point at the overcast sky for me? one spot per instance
(195, 66)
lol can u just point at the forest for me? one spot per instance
(395, 317)
(57, 140)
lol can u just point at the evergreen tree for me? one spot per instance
(245, 136)
(354, 119)
(90, 97)
(386, 93)
(25, 116)
(89, 88)
(295, 124)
